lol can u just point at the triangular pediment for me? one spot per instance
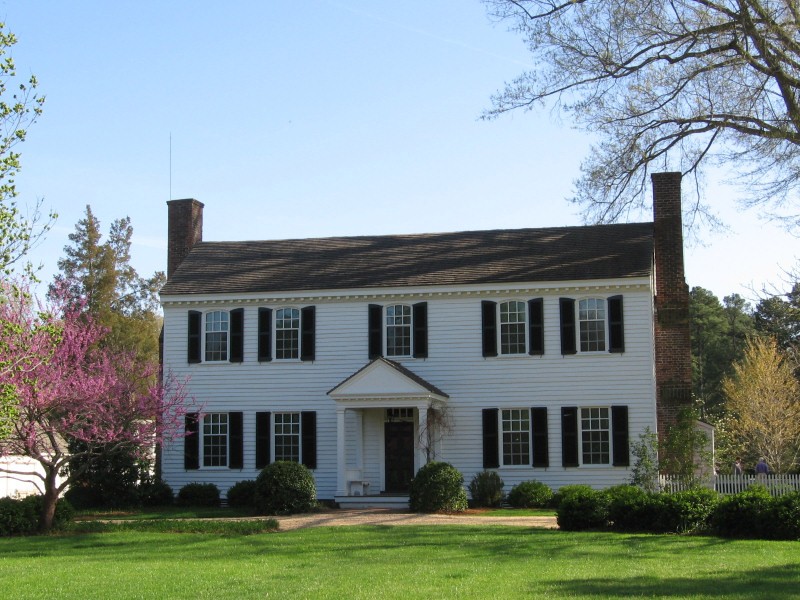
(382, 378)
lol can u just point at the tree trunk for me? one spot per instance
(49, 501)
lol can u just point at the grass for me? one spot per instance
(396, 562)
(164, 512)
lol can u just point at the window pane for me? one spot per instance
(215, 440)
(217, 336)
(592, 321)
(287, 436)
(398, 330)
(595, 436)
(512, 328)
(287, 333)
(516, 436)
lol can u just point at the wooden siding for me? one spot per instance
(454, 364)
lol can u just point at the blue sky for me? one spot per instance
(294, 119)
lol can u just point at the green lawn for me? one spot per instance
(396, 562)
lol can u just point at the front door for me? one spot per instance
(399, 436)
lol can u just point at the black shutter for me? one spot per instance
(491, 441)
(308, 431)
(235, 441)
(420, 318)
(569, 436)
(375, 331)
(616, 329)
(308, 326)
(191, 441)
(567, 310)
(264, 334)
(489, 327)
(193, 342)
(237, 335)
(619, 433)
(541, 452)
(263, 439)
(536, 327)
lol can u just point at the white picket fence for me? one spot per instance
(778, 485)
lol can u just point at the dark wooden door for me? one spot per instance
(399, 456)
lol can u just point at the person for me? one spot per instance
(762, 469)
(738, 467)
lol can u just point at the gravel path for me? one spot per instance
(383, 516)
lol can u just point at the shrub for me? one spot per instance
(744, 514)
(199, 494)
(566, 491)
(530, 494)
(629, 508)
(21, 517)
(784, 518)
(486, 489)
(582, 509)
(438, 487)
(242, 494)
(284, 488)
(155, 493)
(684, 512)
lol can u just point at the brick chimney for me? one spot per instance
(672, 342)
(184, 230)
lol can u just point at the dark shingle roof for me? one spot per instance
(469, 257)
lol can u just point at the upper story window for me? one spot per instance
(398, 330)
(599, 327)
(216, 336)
(513, 327)
(287, 333)
(592, 324)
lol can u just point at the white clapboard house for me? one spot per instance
(539, 353)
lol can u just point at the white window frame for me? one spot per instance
(590, 324)
(215, 420)
(279, 416)
(275, 330)
(501, 324)
(207, 332)
(595, 415)
(517, 432)
(387, 326)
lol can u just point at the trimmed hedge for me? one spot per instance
(285, 488)
(746, 514)
(438, 487)
(583, 508)
(242, 494)
(199, 494)
(530, 494)
(156, 493)
(486, 489)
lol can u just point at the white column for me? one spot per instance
(341, 484)
(422, 436)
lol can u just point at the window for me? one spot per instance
(516, 436)
(398, 330)
(600, 325)
(592, 324)
(216, 336)
(293, 337)
(595, 436)
(287, 436)
(512, 327)
(215, 440)
(287, 333)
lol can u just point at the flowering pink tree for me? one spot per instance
(72, 388)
